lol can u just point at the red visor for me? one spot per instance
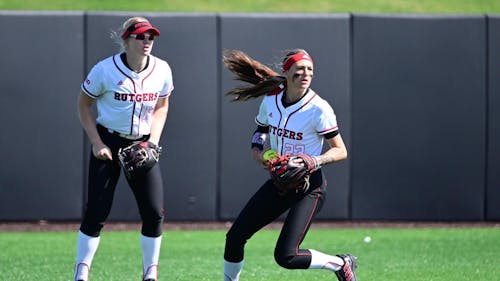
(139, 28)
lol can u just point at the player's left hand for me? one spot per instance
(291, 172)
(139, 157)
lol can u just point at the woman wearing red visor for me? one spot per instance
(292, 120)
(131, 92)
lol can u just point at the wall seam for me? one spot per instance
(351, 75)
(85, 150)
(218, 171)
(487, 114)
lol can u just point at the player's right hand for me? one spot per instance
(102, 152)
(257, 155)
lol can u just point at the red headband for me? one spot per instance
(295, 58)
(139, 28)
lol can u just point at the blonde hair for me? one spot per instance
(116, 35)
(263, 79)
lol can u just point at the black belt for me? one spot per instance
(122, 135)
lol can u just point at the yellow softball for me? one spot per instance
(270, 154)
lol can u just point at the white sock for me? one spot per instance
(150, 256)
(232, 270)
(321, 260)
(85, 251)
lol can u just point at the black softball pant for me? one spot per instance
(103, 178)
(266, 205)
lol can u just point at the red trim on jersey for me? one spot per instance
(328, 130)
(163, 95)
(142, 86)
(279, 122)
(277, 90)
(305, 103)
(88, 92)
(139, 123)
(117, 67)
(290, 115)
(132, 119)
(295, 58)
(135, 91)
(149, 74)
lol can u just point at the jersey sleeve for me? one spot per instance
(92, 85)
(261, 118)
(168, 86)
(327, 120)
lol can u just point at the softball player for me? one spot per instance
(131, 91)
(293, 119)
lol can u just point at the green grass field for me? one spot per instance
(430, 254)
(305, 6)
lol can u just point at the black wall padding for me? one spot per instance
(41, 141)
(416, 97)
(418, 117)
(493, 175)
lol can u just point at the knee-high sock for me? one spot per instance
(321, 260)
(232, 270)
(150, 256)
(85, 250)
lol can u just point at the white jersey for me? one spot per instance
(126, 100)
(298, 128)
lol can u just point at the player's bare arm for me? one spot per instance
(337, 151)
(87, 119)
(159, 119)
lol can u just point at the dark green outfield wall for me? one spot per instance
(416, 96)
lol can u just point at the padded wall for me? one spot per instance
(416, 97)
(493, 188)
(418, 117)
(264, 37)
(41, 140)
(189, 162)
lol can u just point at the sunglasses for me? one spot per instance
(143, 36)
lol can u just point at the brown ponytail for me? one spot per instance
(263, 79)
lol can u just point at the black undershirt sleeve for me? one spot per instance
(262, 129)
(331, 135)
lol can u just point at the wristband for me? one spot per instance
(258, 140)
